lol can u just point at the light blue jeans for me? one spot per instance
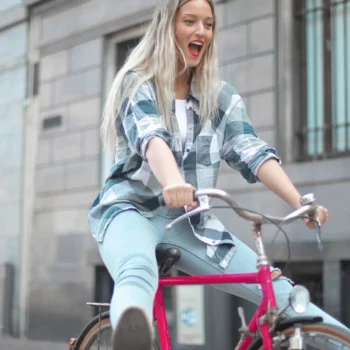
(128, 251)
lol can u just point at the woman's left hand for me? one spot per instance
(322, 216)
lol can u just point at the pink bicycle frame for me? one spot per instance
(262, 277)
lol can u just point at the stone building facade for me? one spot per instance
(73, 50)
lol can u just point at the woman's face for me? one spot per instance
(194, 30)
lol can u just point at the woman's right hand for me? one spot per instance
(179, 196)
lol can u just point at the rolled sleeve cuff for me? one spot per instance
(161, 133)
(261, 157)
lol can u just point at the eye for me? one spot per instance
(189, 21)
(209, 25)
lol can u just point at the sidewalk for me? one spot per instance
(7, 343)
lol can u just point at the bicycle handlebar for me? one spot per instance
(308, 209)
(202, 195)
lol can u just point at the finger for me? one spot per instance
(189, 197)
(322, 216)
(195, 204)
(192, 206)
(167, 199)
(181, 198)
(311, 225)
(175, 199)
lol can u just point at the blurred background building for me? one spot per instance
(289, 61)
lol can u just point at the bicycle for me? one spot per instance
(268, 329)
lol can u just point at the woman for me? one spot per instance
(175, 121)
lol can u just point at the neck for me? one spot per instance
(182, 85)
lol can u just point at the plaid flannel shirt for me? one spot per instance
(131, 184)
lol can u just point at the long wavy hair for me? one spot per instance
(148, 60)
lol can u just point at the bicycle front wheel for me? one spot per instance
(97, 335)
(317, 336)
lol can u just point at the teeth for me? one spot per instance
(197, 43)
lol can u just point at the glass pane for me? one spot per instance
(13, 43)
(308, 274)
(340, 73)
(12, 85)
(7, 4)
(314, 61)
(122, 51)
(345, 291)
(103, 287)
(11, 119)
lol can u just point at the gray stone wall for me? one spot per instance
(72, 64)
(67, 180)
(13, 71)
(247, 50)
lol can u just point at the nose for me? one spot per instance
(200, 30)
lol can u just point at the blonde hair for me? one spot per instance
(155, 58)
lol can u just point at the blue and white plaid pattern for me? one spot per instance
(131, 184)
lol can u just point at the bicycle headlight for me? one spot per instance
(299, 299)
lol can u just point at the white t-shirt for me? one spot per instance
(181, 116)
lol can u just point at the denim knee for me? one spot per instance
(138, 270)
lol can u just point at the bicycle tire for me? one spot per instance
(91, 325)
(91, 330)
(328, 331)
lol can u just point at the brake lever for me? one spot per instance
(318, 234)
(204, 205)
(310, 199)
(319, 240)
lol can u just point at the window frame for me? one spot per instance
(329, 145)
(298, 271)
(110, 64)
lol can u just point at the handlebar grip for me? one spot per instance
(162, 203)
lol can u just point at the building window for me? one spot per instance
(345, 292)
(123, 50)
(119, 54)
(308, 274)
(323, 33)
(103, 286)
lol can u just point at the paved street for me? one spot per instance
(22, 344)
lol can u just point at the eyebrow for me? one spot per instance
(191, 15)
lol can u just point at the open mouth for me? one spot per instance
(195, 47)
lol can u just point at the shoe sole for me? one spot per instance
(133, 331)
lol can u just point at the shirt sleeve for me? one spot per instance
(140, 117)
(242, 149)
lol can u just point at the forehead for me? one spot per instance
(196, 7)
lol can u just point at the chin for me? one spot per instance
(193, 63)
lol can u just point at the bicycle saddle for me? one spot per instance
(166, 258)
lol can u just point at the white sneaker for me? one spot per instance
(133, 331)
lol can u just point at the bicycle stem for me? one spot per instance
(262, 259)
